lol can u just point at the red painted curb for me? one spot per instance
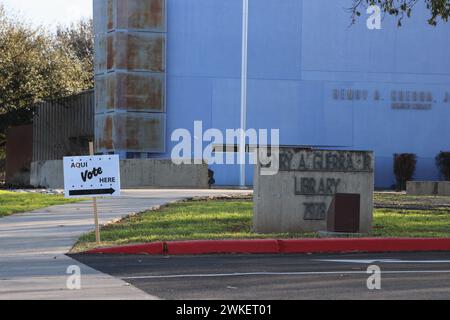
(223, 246)
(156, 248)
(370, 245)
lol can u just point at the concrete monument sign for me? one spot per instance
(299, 196)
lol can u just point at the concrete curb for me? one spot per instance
(370, 245)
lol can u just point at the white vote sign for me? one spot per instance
(94, 176)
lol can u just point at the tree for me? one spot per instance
(404, 169)
(439, 9)
(78, 39)
(36, 65)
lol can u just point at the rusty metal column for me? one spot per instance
(130, 77)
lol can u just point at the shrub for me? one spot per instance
(211, 180)
(443, 164)
(404, 168)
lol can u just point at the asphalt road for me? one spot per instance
(281, 277)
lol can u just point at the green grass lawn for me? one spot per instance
(13, 202)
(233, 220)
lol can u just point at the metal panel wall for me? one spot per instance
(130, 79)
(63, 127)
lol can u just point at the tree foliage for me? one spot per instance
(443, 164)
(37, 65)
(439, 9)
(404, 168)
(78, 39)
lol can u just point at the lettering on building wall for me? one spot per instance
(399, 99)
(418, 100)
(350, 95)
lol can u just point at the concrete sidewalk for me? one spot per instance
(33, 245)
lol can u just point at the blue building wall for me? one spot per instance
(302, 54)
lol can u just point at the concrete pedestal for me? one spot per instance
(298, 197)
